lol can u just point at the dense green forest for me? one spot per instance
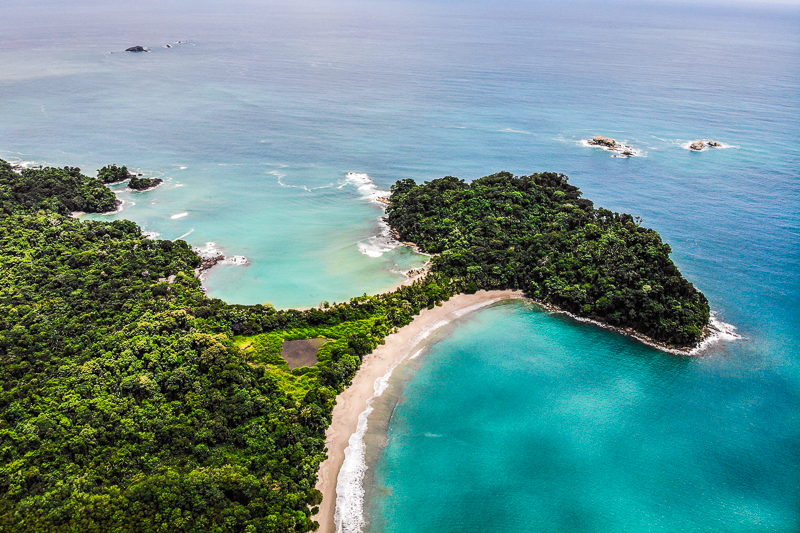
(113, 174)
(131, 402)
(537, 234)
(141, 184)
(62, 190)
(125, 404)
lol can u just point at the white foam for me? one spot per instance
(211, 251)
(509, 130)
(18, 164)
(719, 331)
(281, 175)
(686, 145)
(183, 168)
(237, 260)
(349, 515)
(180, 215)
(366, 187)
(152, 234)
(381, 243)
(617, 150)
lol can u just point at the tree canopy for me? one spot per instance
(537, 234)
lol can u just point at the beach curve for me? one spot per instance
(343, 437)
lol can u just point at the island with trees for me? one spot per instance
(132, 402)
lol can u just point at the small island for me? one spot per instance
(111, 174)
(137, 49)
(144, 184)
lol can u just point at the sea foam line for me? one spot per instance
(280, 177)
(349, 515)
(718, 331)
(184, 235)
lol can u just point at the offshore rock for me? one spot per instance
(136, 49)
(697, 146)
(603, 141)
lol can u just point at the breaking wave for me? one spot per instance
(379, 244)
(212, 251)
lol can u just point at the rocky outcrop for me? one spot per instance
(603, 141)
(136, 49)
(607, 143)
(209, 262)
(700, 144)
(697, 145)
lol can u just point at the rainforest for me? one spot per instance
(130, 401)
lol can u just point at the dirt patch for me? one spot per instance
(303, 352)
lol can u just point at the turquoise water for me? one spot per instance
(257, 120)
(525, 421)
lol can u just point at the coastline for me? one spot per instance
(344, 436)
(354, 403)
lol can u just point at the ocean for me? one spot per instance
(275, 126)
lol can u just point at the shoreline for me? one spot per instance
(344, 436)
(354, 404)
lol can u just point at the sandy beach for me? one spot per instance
(355, 400)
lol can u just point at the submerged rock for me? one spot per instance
(136, 49)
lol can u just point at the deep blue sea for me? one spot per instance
(275, 125)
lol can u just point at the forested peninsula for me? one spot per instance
(536, 234)
(132, 402)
